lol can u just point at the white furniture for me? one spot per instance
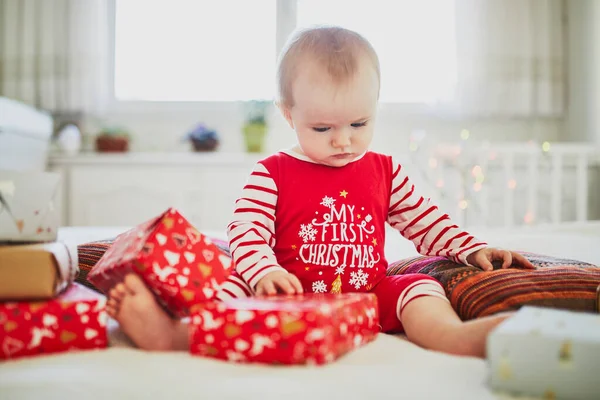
(24, 136)
(127, 189)
(521, 186)
(514, 184)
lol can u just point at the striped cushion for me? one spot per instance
(91, 253)
(473, 293)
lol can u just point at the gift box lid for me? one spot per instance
(37, 271)
(27, 209)
(130, 243)
(551, 324)
(308, 302)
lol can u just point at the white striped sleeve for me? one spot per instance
(251, 234)
(420, 221)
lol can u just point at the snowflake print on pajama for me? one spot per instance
(307, 232)
(358, 279)
(319, 287)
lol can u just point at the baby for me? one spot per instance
(312, 218)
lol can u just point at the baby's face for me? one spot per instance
(334, 122)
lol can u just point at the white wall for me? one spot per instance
(159, 127)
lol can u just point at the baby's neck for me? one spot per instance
(297, 149)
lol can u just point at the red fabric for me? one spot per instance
(388, 292)
(309, 328)
(349, 235)
(179, 264)
(76, 320)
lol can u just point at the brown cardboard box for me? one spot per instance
(38, 271)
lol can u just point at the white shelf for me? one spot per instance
(134, 158)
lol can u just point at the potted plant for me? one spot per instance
(112, 139)
(255, 126)
(203, 138)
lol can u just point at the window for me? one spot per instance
(192, 50)
(414, 40)
(208, 50)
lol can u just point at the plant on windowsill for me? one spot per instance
(255, 126)
(203, 138)
(112, 140)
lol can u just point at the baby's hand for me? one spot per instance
(277, 281)
(483, 259)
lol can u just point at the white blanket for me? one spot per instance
(388, 368)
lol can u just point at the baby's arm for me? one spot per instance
(431, 231)
(251, 234)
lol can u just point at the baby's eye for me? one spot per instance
(322, 129)
(359, 124)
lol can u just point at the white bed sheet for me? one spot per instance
(388, 368)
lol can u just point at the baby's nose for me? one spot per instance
(341, 138)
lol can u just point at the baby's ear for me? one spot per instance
(285, 111)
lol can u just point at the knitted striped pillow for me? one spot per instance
(473, 293)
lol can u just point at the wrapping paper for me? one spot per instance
(547, 353)
(38, 271)
(303, 329)
(179, 264)
(28, 212)
(76, 320)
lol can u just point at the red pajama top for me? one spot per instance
(326, 224)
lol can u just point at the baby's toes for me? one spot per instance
(111, 310)
(118, 292)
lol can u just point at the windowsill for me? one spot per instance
(157, 158)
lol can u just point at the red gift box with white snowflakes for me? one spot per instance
(301, 329)
(75, 320)
(178, 263)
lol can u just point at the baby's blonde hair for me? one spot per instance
(337, 49)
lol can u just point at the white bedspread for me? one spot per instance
(388, 368)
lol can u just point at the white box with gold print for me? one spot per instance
(553, 354)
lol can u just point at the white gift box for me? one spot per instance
(25, 134)
(554, 354)
(27, 206)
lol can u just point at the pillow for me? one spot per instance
(556, 283)
(90, 253)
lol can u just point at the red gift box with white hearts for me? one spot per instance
(179, 264)
(75, 320)
(303, 329)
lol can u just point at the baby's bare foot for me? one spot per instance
(116, 295)
(139, 315)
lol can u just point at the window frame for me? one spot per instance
(285, 24)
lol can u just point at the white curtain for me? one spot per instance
(54, 54)
(511, 57)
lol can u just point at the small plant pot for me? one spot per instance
(209, 144)
(254, 137)
(112, 144)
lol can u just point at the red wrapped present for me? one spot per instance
(303, 329)
(76, 320)
(179, 264)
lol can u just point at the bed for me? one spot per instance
(388, 368)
